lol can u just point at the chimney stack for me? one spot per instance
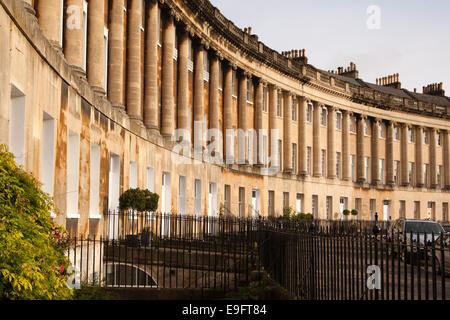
(434, 89)
(390, 81)
(350, 71)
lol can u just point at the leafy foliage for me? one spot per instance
(32, 259)
(287, 212)
(354, 212)
(255, 290)
(90, 292)
(139, 200)
(346, 212)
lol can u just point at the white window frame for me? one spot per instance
(106, 53)
(61, 25)
(338, 120)
(94, 187)
(309, 111)
(85, 25)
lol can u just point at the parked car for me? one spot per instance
(417, 233)
(446, 228)
(438, 254)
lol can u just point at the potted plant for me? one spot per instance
(146, 237)
(346, 212)
(137, 200)
(354, 212)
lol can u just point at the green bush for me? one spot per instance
(287, 212)
(32, 247)
(139, 200)
(90, 292)
(354, 212)
(346, 212)
(302, 216)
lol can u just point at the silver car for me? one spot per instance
(438, 254)
(419, 233)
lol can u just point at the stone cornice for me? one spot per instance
(251, 48)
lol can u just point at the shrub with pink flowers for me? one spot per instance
(33, 264)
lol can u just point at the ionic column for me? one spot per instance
(49, 18)
(228, 112)
(360, 149)
(317, 172)
(302, 106)
(404, 154)
(374, 152)
(214, 91)
(198, 108)
(73, 35)
(242, 122)
(273, 138)
(345, 145)
(287, 138)
(331, 149)
(432, 156)
(419, 159)
(116, 58)
(433, 171)
(96, 46)
(151, 67)
(446, 157)
(390, 153)
(259, 118)
(183, 82)
(167, 96)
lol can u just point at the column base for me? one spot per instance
(78, 71)
(29, 8)
(56, 45)
(118, 105)
(288, 171)
(98, 90)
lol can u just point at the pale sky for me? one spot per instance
(413, 39)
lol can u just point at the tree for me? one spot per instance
(32, 247)
(139, 200)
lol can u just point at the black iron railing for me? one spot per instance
(313, 259)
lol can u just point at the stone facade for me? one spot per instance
(92, 114)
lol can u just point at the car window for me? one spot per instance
(422, 227)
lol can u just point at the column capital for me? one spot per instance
(377, 120)
(301, 98)
(332, 108)
(216, 54)
(261, 81)
(290, 94)
(362, 116)
(391, 122)
(246, 74)
(406, 125)
(231, 65)
(347, 112)
(317, 104)
(189, 30)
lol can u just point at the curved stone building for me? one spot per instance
(101, 96)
